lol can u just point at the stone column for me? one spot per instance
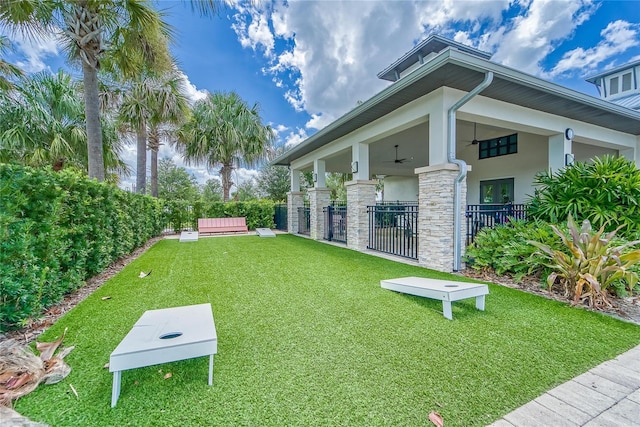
(319, 197)
(435, 216)
(295, 200)
(360, 194)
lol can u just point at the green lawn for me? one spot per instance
(306, 336)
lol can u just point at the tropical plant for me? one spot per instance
(505, 248)
(123, 36)
(591, 263)
(151, 102)
(606, 192)
(42, 123)
(7, 70)
(224, 130)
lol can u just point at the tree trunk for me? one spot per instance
(92, 117)
(141, 163)
(225, 173)
(154, 172)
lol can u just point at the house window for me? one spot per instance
(613, 85)
(498, 146)
(496, 191)
(626, 82)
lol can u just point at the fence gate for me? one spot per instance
(335, 221)
(280, 217)
(304, 220)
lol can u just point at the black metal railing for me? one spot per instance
(304, 220)
(335, 222)
(393, 229)
(489, 215)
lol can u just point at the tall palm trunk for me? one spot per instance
(225, 173)
(92, 116)
(141, 164)
(154, 145)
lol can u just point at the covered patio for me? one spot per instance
(454, 129)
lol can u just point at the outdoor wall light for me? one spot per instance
(569, 134)
(354, 167)
(315, 177)
(569, 159)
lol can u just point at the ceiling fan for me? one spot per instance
(474, 141)
(397, 160)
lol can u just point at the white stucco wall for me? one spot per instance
(401, 188)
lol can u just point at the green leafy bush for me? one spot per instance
(505, 248)
(259, 213)
(590, 264)
(56, 230)
(606, 192)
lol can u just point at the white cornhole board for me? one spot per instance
(189, 236)
(188, 332)
(444, 290)
(265, 232)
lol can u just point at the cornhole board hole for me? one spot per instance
(189, 236)
(265, 232)
(162, 336)
(446, 291)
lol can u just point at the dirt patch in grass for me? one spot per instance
(38, 326)
(627, 309)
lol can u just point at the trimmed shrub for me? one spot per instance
(58, 229)
(259, 213)
(606, 192)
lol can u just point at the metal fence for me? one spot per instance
(280, 216)
(335, 222)
(489, 215)
(393, 229)
(304, 220)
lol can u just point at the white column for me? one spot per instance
(319, 169)
(438, 136)
(295, 180)
(559, 147)
(360, 161)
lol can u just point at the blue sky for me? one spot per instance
(307, 63)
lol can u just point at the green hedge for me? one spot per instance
(58, 229)
(181, 214)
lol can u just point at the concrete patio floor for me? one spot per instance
(607, 395)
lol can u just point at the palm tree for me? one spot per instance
(124, 35)
(152, 102)
(7, 70)
(42, 123)
(224, 131)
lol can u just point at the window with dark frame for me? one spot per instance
(496, 191)
(498, 146)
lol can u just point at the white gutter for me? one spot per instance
(451, 157)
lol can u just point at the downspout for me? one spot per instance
(451, 157)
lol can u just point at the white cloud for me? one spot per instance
(617, 37)
(318, 121)
(295, 137)
(526, 41)
(35, 51)
(193, 93)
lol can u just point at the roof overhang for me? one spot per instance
(463, 71)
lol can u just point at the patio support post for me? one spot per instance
(559, 148)
(360, 161)
(360, 194)
(295, 200)
(319, 197)
(435, 215)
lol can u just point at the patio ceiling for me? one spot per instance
(464, 72)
